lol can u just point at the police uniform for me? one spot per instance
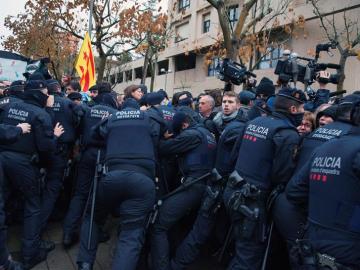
(165, 168)
(20, 162)
(269, 142)
(68, 115)
(328, 186)
(8, 134)
(196, 149)
(85, 168)
(292, 228)
(205, 221)
(318, 137)
(127, 189)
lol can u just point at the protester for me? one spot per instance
(307, 124)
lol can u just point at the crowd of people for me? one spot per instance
(255, 168)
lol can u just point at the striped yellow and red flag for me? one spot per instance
(85, 65)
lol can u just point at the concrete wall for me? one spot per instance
(196, 80)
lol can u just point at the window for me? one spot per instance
(206, 23)
(112, 79)
(183, 4)
(128, 75)
(181, 32)
(163, 65)
(120, 77)
(184, 62)
(138, 73)
(272, 55)
(233, 13)
(214, 67)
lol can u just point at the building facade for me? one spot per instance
(196, 25)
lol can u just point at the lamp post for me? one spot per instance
(163, 70)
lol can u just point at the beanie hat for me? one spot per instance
(265, 87)
(330, 111)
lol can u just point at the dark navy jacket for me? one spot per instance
(316, 138)
(41, 138)
(328, 185)
(195, 147)
(267, 151)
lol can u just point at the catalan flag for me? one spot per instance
(85, 65)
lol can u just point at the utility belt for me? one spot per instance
(63, 147)
(212, 199)
(248, 207)
(305, 255)
(128, 167)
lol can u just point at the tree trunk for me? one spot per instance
(101, 68)
(341, 72)
(145, 67)
(225, 27)
(153, 72)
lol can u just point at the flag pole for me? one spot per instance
(90, 16)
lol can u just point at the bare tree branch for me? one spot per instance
(242, 18)
(110, 25)
(318, 13)
(214, 3)
(252, 23)
(356, 40)
(71, 32)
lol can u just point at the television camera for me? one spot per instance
(235, 73)
(290, 68)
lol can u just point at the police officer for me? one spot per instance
(186, 105)
(68, 115)
(127, 188)
(293, 227)
(8, 134)
(247, 99)
(105, 106)
(168, 165)
(270, 141)
(20, 162)
(211, 203)
(328, 188)
(340, 127)
(14, 93)
(162, 116)
(196, 148)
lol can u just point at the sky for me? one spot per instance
(10, 8)
(14, 7)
